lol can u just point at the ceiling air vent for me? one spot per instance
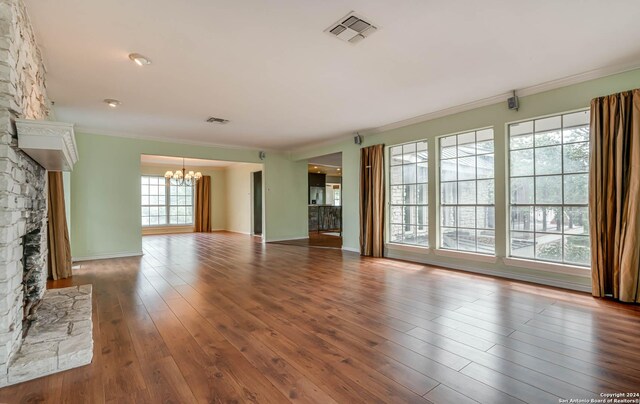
(213, 119)
(351, 28)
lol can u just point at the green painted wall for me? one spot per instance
(238, 197)
(285, 185)
(497, 116)
(105, 195)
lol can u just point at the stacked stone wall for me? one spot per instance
(23, 189)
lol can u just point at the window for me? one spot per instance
(163, 202)
(333, 194)
(549, 180)
(154, 211)
(408, 183)
(180, 203)
(467, 212)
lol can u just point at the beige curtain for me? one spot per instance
(58, 233)
(372, 201)
(614, 197)
(203, 205)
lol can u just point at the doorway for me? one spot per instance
(257, 203)
(325, 201)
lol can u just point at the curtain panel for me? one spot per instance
(372, 201)
(59, 259)
(202, 219)
(614, 196)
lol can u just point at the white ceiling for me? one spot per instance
(269, 67)
(177, 161)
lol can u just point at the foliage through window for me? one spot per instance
(163, 202)
(409, 190)
(549, 164)
(467, 212)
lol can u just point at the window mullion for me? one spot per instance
(404, 192)
(460, 207)
(543, 246)
(167, 199)
(562, 187)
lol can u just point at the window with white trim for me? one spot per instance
(163, 202)
(467, 201)
(549, 189)
(409, 194)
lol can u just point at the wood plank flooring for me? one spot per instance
(222, 318)
(315, 240)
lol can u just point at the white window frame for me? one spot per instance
(441, 250)
(532, 262)
(167, 205)
(389, 204)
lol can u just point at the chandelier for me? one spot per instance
(182, 177)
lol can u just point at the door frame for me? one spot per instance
(253, 233)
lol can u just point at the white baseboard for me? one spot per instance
(285, 239)
(248, 233)
(107, 256)
(350, 249)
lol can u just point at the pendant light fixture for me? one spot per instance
(182, 177)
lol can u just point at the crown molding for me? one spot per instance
(334, 140)
(195, 168)
(579, 78)
(531, 90)
(100, 132)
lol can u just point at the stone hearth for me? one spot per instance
(59, 339)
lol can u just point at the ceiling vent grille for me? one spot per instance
(213, 119)
(351, 28)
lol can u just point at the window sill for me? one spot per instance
(151, 230)
(408, 247)
(160, 226)
(471, 256)
(548, 266)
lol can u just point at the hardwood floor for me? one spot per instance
(316, 240)
(221, 318)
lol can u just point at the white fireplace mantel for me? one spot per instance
(51, 144)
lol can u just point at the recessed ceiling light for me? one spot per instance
(315, 166)
(139, 59)
(338, 169)
(112, 103)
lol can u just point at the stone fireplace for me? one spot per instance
(23, 245)
(26, 350)
(23, 200)
(34, 251)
